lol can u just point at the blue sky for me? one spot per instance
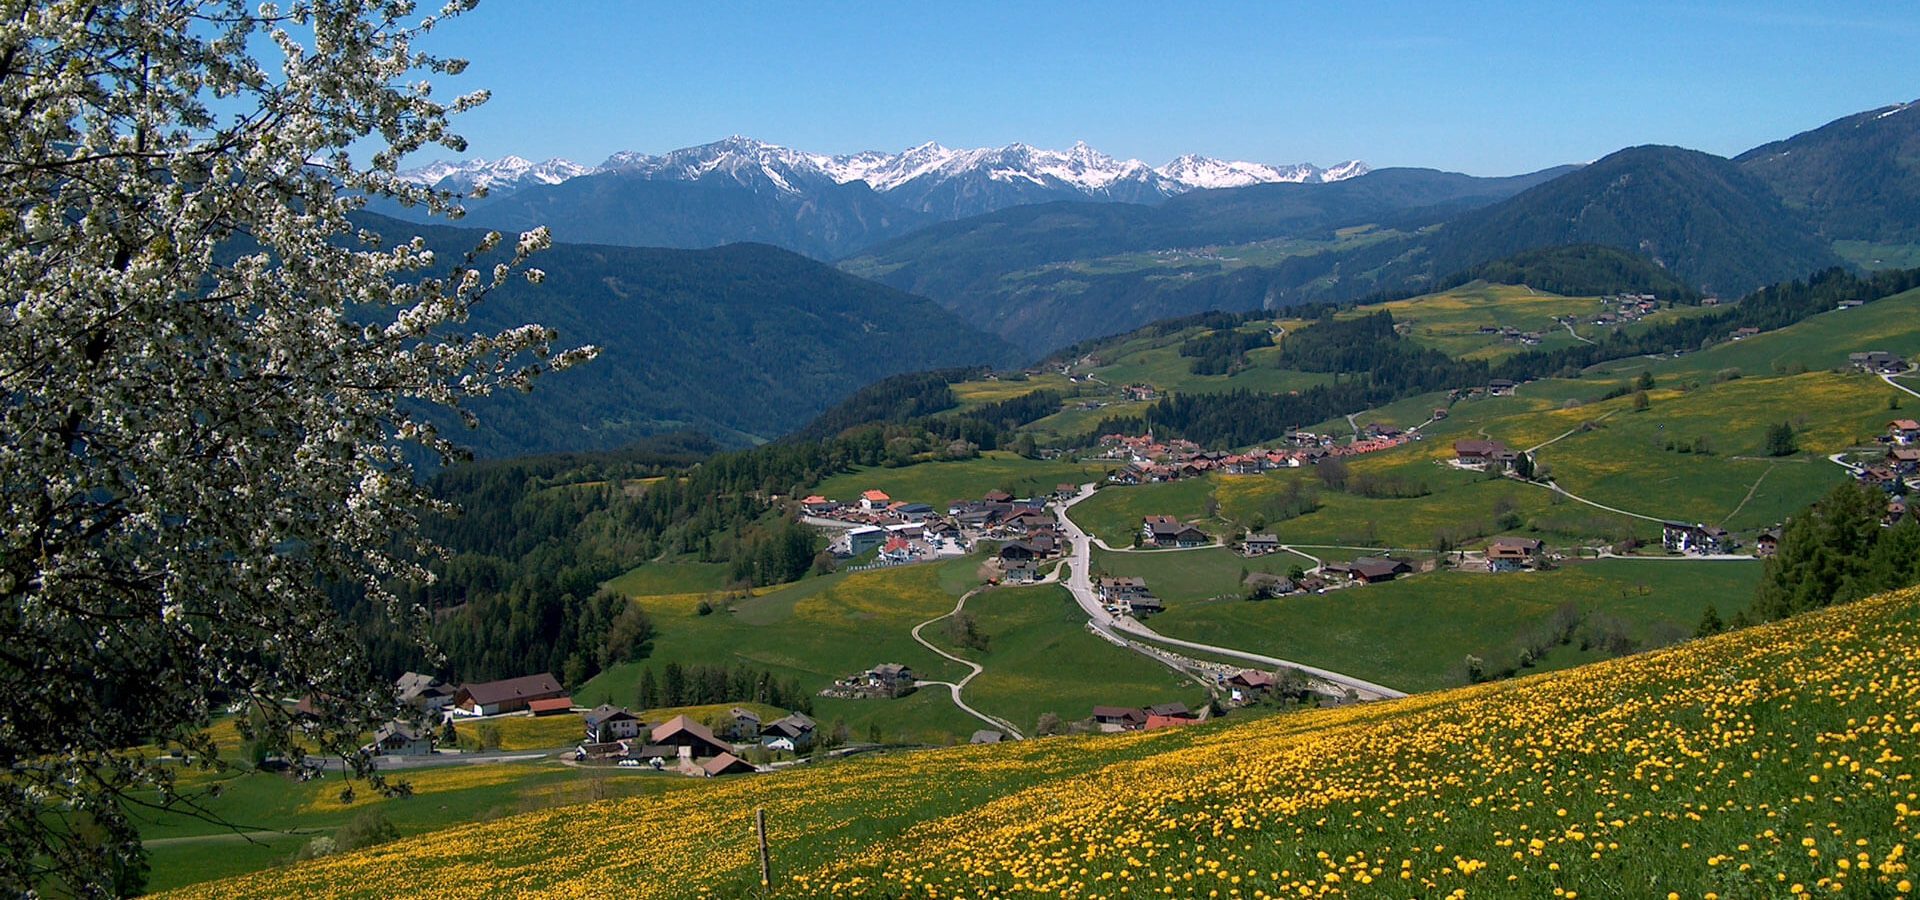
(1483, 88)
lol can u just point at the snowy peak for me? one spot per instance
(914, 173)
(1202, 173)
(507, 171)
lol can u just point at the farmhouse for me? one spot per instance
(1510, 554)
(607, 722)
(401, 739)
(1490, 455)
(1679, 537)
(1500, 387)
(490, 698)
(1878, 362)
(726, 764)
(743, 724)
(1114, 588)
(1167, 531)
(1142, 605)
(792, 733)
(1261, 544)
(1903, 460)
(1118, 718)
(1903, 431)
(817, 505)
(1171, 711)
(892, 676)
(875, 501)
(1369, 569)
(691, 738)
(423, 692)
(1250, 683)
(1767, 544)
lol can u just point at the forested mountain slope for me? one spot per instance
(748, 341)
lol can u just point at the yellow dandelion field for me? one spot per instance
(1776, 761)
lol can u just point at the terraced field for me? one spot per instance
(1776, 761)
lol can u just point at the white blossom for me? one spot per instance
(207, 372)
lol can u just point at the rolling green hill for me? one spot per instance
(1771, 761)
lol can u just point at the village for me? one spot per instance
(1027, 539)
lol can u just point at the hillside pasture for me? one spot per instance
(1643, 776)
(1040, 658)
(1415, 632)
(939, 483)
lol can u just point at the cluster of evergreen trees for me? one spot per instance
(701, 685)
(1837, 552)
(1222, 352)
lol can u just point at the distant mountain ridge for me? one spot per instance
(1856, 178)
(1081, 168)
(919, 185)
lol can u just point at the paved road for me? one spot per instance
(1113, 627)
(975, 669)
(1889, 379)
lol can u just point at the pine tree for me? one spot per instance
(673, 686)
(1710, 623)
(649, 697)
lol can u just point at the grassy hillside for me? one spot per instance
(1039, 657)
(1768, 762)
(1415, 633)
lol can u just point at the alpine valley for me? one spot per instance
(1015, 522)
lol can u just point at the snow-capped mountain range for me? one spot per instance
(913, 173)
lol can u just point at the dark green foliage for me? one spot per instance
(964, 631)
(368, 829)
(1856, 178)
(1838, 552)
(704, 685)
(648, 696)
(1222, 352)
(782, 553)
(745, 341)
(1705, 220)
(1780, 441)
(1578, 270)
(894, 399)
(1376, 366)
(1710, 623)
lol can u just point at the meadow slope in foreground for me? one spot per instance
(1776, 761)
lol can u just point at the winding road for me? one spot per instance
(974, 669)
(1117, 628)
